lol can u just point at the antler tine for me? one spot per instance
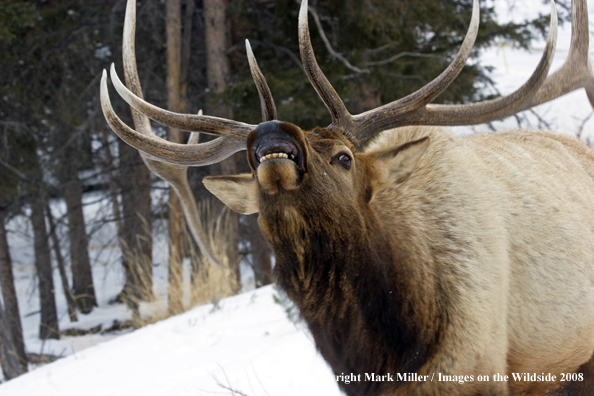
(176, 176)
(577, 71)
(371, 122)
(151, 146)
(186, 122)
(188, 202)
(477, 113)
(162, 150)
(574, 74)
(133, 96)
(191, 210)
(143, 138)
(141, 123)
(363, 126)
(266, 100)
(341, 118)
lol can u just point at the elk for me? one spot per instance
(407, 249)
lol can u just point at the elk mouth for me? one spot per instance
(273, 142)
(277, 155)
(278, 150)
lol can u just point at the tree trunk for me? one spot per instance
(190, 246)
(113, 187)
(9, 357)
(130, 295)
(176, 219)
(185, 55)
(11, 325)
(217, 34)
(136, 238)
(48, 327)
(82, 278)
(70, 300)
(260, 251)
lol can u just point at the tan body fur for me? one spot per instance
(512, 215)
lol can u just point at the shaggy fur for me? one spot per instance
(477, 260)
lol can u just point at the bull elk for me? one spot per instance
(409, 250)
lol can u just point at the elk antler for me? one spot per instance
(415, 109)
(577, 71)
(146, 142)
(160, 149)
(176, 176)
(169, 160)
(233, 133)
(353, 126)
(266, 101)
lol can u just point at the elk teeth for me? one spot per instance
(275, 155)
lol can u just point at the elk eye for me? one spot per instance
(344, 160)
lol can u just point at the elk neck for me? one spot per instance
(355, 290)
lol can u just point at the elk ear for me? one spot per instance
(238, 192)
(393, 166)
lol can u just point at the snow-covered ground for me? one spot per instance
(108, 278)
(246, 342)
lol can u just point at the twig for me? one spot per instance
(228, 387)
(233, 391)
(335, 54)
(378, 49)
(541, 121)
(339, 56)
(580, 131)
(13, 169)
(285, 50)
(258, 378)
(70, 298)
(401, 55)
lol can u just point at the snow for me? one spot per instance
(107, 274)
(246, 342)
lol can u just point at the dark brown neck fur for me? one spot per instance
(354, 291)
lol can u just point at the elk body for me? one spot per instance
(416, 252)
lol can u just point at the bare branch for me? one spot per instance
(335, 54)
(279, 48)
(401, 55)
(13, 169)
(580, 131)
(541, 121)
(378, 49)
(234, 392)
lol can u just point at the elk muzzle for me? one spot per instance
(277, 154)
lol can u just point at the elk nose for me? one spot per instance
(275, 139)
